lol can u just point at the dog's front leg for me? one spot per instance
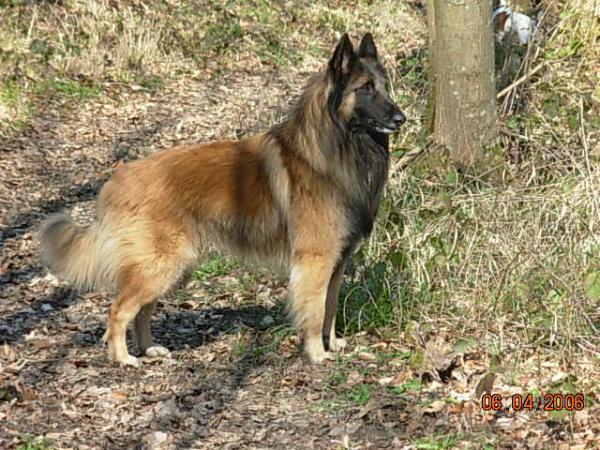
(309, 280)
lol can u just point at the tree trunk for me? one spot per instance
(464, 99)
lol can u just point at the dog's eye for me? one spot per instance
(367, 88)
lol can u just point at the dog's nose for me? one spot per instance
(399, 119)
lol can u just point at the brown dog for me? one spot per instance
(302, 194)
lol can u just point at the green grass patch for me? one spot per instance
(214, 267)
(384, 356)
(437, 442)
(9, 93)
(221, 35)
(338, 376)
(14, 102)
(413, 385)
(361, 394)
(254, 344)
(277, 53)
(260, 11)
(152, 84)
(334, 407)
(68, 88)
(269, 340)
(367, 303)
(31, 443)
(379, 298)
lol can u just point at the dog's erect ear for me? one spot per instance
(342, 59)
(367, 47)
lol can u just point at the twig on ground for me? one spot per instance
(519, 81)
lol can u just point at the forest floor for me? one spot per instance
(235, 377)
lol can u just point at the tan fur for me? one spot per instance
(159, 215)
(348, 105)
(276, 197)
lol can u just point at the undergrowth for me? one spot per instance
(509, 255)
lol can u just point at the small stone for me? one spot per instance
(267, 321)
(264, 295)
(51, 279)
(385, 381)
(160, 436)
(46, 307)
(155, 439)
(354, 378)
(365, 356)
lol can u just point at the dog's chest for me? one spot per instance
(372, 166)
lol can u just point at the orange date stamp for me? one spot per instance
(527, 402)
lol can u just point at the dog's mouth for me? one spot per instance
(382, 128)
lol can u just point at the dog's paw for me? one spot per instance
(337, 344)
(129, 361)
(319, 357)
(157, 351)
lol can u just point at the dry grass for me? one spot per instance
(92, 43)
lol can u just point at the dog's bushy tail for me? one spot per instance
(72, 252)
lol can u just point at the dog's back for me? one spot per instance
(160, 213)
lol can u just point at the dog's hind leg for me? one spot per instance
(143, 337)
(122, 311)
(138, 292)
(333, 343)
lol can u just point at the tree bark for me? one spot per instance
(464, 97)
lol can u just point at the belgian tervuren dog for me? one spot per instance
(303, 194)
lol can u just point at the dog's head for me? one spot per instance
(360, 85)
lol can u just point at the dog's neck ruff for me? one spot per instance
(354, 158)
